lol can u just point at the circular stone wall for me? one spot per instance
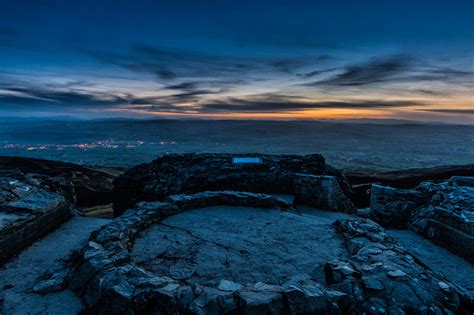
(205, 254)
(243, 245)
(308, 178)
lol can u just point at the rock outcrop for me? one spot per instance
(361, 180)
(442, 212)
(377, 277)
(448, 217)
(276, 174)
(382, 277)
(408, 178)
(393, 207)
(80, 185)
(28, 211)
(212, 234)
(322, 192)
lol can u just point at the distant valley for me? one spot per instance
(348, 145)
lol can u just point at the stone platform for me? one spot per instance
(166, 257)
(228, 234)
(244, 245)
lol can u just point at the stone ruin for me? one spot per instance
(375, 275)
(441, 212)
(28, 211)
(308, 178)
(37, 196)
(199, 234)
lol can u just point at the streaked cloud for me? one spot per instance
(376, 70)
(262, 106)
(450, 111)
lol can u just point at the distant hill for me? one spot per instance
(381, 145)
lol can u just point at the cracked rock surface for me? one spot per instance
(160, 258)
(438, 259)
(243, 245)
(19, 276)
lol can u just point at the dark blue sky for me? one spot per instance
(288, 59)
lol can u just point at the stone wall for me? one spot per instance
(192, 173)
(27, 213)
(321, 192)
(380, 277)
(393, 207)
(441, 212)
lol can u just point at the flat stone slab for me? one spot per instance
(18, 276)
(38, 201)
(242, 245)
(437, 258)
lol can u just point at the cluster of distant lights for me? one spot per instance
(107, 144)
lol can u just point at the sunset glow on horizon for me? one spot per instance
(238, 60)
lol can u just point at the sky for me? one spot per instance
(238, 59)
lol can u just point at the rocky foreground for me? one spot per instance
(220, 233)
(441, 212)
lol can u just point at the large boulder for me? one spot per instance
(442, 212)
(191, 173)
(393, 207)
(361, 180)
(319, 191)
(82, 186)
(448, 218)
(28, 211)
(383, 278)
(408, 178)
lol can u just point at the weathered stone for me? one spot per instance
(226, 285)
(366, 272)
(27, 214)
(339, 271)
(231, 198)
(192, 173)
(321, 192)
(462, 181)
(51, 282)
(34, 281)
(361, 180)
(37, 201)
(306, 298)
(364, 213)
(448, 218)
(394, 207)
(265, 302)
(396, 273)
(80, 185)
(372, 283)
(442, 212)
